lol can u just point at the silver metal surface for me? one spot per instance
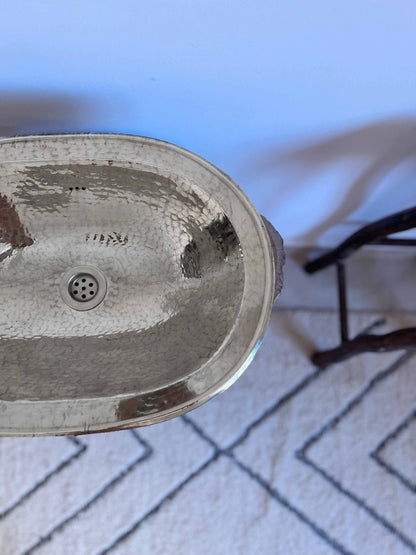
(185, 279)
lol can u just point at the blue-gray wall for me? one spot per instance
(246, 84)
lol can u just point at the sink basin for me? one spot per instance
(136, 282)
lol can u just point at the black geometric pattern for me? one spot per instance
(378, 452)
(103, 491)
(79, 449)
(302, 454)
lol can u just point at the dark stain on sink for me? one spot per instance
(151, 403)
(191, 261)
(12, 230)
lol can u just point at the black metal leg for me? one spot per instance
(342, 300)
(375, 233)
(399, 339)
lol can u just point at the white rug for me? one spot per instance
(290, 460)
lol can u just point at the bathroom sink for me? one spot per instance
(136, 282)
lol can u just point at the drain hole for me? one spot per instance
(77, 287)
(83, 288)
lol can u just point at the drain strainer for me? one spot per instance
(83, 287)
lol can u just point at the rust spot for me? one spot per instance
(93, 164)
(110, 162)
(128, 408)
(85, 432)
(160, 400)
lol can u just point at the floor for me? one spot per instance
(292, 459)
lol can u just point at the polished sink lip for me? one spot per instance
(72, 416)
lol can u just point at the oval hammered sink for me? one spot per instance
(136, 282)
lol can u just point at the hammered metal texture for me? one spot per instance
(189, 277)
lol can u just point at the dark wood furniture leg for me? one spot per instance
(376, 233)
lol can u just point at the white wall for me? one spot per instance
(308, 105)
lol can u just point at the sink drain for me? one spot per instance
(83, 287)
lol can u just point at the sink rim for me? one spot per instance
(94, 414)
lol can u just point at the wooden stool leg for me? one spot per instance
(399, 339)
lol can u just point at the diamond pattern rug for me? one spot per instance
(290, 460)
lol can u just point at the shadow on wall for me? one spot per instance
(25, 113)
(364, 157)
